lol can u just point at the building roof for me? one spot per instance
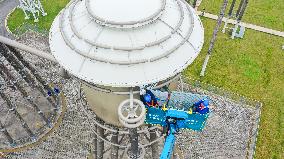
(126, 43)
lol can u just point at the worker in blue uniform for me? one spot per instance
(201, 107)
(149, 99)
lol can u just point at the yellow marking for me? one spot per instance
(190, 111)
(164, 107)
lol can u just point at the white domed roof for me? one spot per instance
(126, 43)
(128, 12)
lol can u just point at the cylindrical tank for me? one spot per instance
(115, 45)
(105, 100)
(105, 104)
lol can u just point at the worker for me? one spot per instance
(201, 107)
(149, 99)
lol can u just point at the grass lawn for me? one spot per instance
(52, 7)
(253, 66)
(267, 13)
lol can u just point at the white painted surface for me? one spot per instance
(130, 55)
(119, 10)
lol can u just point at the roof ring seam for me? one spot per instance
(130, 23)
(166, 54)
(126, 48)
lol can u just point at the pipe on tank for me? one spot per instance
(154, 146)
(114, 149)
(23, 47)
(100, 143)
(134, 143)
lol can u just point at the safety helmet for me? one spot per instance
(206, 102)
(147, 97)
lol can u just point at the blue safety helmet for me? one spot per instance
(147, 98)
(206, 102)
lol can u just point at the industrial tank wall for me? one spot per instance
(104, 104)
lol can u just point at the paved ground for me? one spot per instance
(5, 7)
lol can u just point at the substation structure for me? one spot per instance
(116, 55)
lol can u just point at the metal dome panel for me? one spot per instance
(118, 11)
(126, 56)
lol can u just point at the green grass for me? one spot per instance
(267, 13)
(52, 7)
(253, 67)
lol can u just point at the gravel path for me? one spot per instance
(5, 7)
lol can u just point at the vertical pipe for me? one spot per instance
(232, 8)
(133, 134)
(134, 143)
(229, 15)
(114, 149)
(242, 12)
(240, 8)
(205, 65)
(212, 42)
(131, 98)
(154, 146)
(100, 143)
(95, 143)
